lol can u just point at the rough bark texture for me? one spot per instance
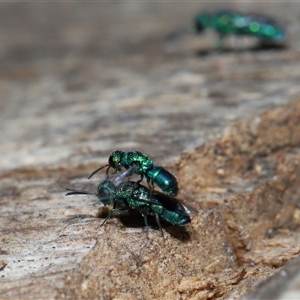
(81, 80)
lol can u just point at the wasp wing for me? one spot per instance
(168, 202)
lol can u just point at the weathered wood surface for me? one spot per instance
(80, 80)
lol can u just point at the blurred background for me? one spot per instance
(79, 80)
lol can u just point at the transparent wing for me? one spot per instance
(120, 177)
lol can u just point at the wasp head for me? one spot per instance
(115, 159)
(106, 192)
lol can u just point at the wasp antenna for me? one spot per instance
(78, 192)
(97, 171)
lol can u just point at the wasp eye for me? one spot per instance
(114, 162)
(103, 191)
(104, 194)
(199, 26)
(111, 162)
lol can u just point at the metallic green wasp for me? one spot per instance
(142, 165)
(232, 23)
(133, 195)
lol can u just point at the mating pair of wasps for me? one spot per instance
(117, 189)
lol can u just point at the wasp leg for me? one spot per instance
(136, 185)
(117, 210)
(151, 187)
(139, 181)
(114, 209)
(144, 212)
(107, 175)
(159, 225)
